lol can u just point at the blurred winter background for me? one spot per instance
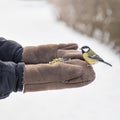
(94, 23)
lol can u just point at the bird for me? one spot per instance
(91, 57)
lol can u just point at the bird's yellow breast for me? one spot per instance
(89, 60)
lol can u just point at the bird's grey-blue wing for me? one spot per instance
(96, 57)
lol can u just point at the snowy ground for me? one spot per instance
(33, 23)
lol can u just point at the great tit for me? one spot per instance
(91, 57)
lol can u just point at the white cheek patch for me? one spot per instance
(86, 49)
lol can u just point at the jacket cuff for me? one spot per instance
(19, 76)
(11, 75)
(10, 50)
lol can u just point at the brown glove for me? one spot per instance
(45, 53)
(60, 75)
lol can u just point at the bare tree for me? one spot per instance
(96, 18)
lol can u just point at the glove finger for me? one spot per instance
(68, 46)
(78, 62)
(53, 86)
(46, 73)
(85, 78)
(72, 54)
(87, 71)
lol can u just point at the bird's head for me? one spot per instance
(85, 49)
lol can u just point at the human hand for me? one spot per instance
(45, 53)
(69, 74)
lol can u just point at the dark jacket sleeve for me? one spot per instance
(11, 75)
(10, 50)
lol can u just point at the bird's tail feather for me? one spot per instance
(107, 63)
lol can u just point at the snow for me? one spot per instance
(34, 23)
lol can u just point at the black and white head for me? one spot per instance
(85, 49)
